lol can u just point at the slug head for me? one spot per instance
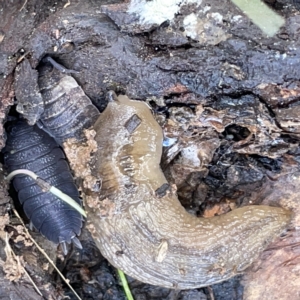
(137, 138)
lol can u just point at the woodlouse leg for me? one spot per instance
(64, 248)
(31, 227)
(76, 242)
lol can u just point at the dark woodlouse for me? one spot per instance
(65, 110)
(29, 147)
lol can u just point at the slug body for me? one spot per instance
(140, 226)
(29, 147)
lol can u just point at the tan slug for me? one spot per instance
(140, 226)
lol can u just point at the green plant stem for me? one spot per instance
(125, 285)
(261, 15)
(52, 189)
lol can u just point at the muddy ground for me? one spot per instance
(230, 91)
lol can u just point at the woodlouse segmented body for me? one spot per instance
(67, 109)
(54, 100)
(29, 147)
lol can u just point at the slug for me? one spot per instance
(140, 226)
(28, 147)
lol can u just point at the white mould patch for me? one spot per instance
(217, 17)
(157, 11)
(189, 156)
(206, 30)
(205, 9)
(237, 19)
(190, 23)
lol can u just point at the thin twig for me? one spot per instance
(125, 285)
(18, 260)
(67, 4)
(22, 57)
(47, 187)
(46, 255)
(211, 293)
(23, 5)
